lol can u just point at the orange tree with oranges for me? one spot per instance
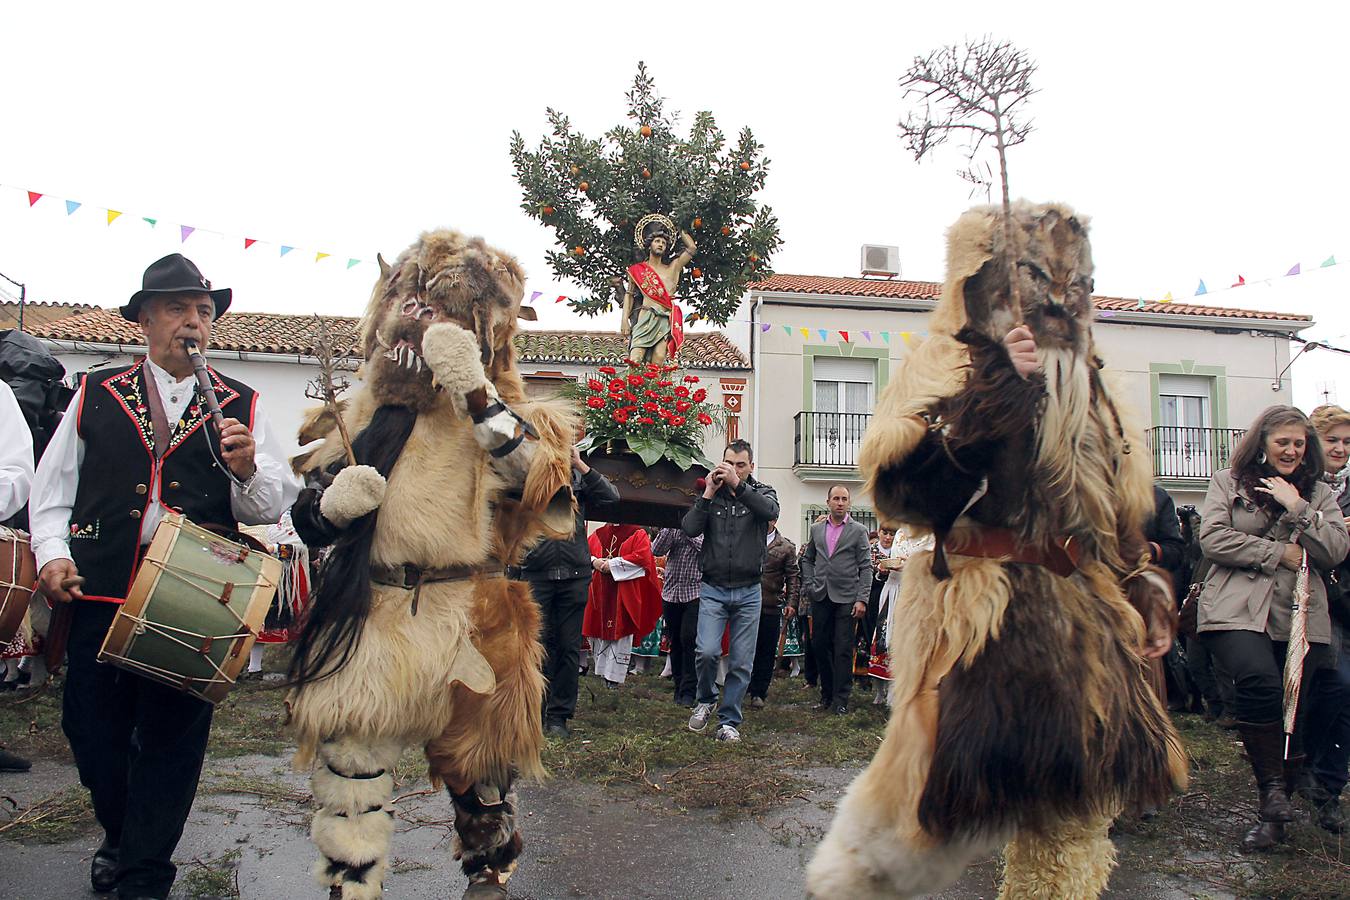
(656, 411)
(592, 192)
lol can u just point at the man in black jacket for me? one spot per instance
(559, 573)
(732, 515)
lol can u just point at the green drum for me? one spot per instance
(194, 610)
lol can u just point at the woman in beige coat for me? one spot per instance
(1259, 518)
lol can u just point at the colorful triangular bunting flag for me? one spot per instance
(249, 242)
(806, 334)
(320, 255)
(112, 215)
(285, 250)
(1201, 289)
(844, 335)
(886, 337)
(787, 329)
(561, 298)
(907, 338)
(764, 327)
(1167, 298)
(824, 335)
(1240, 282)
(352, 262)
(33, 198)
(185, 231)
(1329, 261)
(1296, 270)
(153, 222)
(71, 206)
(868, 336)
(535, 296)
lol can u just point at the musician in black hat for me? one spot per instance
(137, 440)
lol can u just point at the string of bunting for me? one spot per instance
(184, 231)
(1201, 290)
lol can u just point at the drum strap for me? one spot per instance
(159, 420)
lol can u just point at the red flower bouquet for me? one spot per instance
(633, 410)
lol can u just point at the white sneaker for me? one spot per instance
(702, 713)
(728, 733)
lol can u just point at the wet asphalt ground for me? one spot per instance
(581, 841)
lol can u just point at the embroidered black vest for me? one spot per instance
(119, 468)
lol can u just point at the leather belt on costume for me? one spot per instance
(411, 578)
(1002, 544)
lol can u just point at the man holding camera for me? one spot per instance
(732, 515)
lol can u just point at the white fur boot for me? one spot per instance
(865, 857)
(352, 786)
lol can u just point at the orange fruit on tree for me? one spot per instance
(725, 231)
(579, 250)
(548, 210)
(698, 273)
(698, 223)
(576, 170)
(745, 166)
(584, 186)
(646, 173)
(646, 130)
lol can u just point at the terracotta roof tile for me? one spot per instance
(931, 290)
(271, 333)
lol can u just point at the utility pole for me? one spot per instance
(23, 294)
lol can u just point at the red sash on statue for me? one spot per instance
(651, 285)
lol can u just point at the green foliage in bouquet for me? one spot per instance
(656, 411)
(593, 191)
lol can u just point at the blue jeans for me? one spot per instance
(717, 607)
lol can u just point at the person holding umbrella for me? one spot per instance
(1260, 517)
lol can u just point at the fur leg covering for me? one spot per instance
(1072, 863)
(875, 848)
(486, 841)
(351, 829)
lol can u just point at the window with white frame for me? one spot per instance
(1183, 443)
(843, 391)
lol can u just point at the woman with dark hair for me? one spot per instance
(1259, 519)
(1328, 739)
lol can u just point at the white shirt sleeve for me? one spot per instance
(623, 570)
(16, 455)
(274, 487)
(54, 487)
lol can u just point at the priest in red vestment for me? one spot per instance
(625, 597)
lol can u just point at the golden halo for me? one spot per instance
(649, 219)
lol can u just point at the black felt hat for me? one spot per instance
(174, 274)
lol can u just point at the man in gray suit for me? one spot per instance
(836, 576)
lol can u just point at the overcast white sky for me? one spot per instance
(1205, 140)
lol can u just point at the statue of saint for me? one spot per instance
(655, 325)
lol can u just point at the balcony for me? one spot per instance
(1184, 452)
(828, 440)
(829, 443)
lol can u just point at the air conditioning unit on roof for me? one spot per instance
(878, 259)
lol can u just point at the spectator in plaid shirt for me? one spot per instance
(679, 601)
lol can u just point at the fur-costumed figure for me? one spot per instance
(1021, 712)
(415, 636)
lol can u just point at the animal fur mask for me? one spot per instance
(443, 277)
(1053, 263)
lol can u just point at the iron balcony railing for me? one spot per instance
(828, 439)
(1184, 452)
(834, 439)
